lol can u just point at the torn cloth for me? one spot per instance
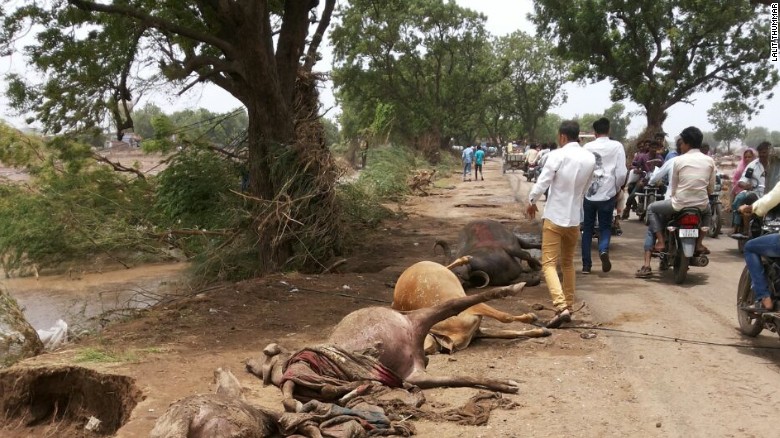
(326, 373)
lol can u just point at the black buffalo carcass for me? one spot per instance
(496, 256)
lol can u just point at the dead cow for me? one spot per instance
(380, 344)
(496, 254)
(426, 284)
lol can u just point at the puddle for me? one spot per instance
(76, 298)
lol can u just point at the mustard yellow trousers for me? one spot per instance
(558, 245)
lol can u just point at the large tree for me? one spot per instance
(729, 121)
(534, 80)
(660, 52)
(426, 58)
(94, 57)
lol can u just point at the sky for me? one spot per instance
(502, 18)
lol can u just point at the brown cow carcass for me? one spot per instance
(496, 256)
(427, 284)
(373, 344)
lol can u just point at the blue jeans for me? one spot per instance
(769, 246)
(467, 169)
(742, 198)
(604, 211)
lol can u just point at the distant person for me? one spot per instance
(752, 183)
(467, 156)
(479, 158)
(609, 175)
(567, 174)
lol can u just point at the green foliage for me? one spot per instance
(387, 172)
(658, 53)
(194, 191)
(428, 59)
(74, 212)
(755, 135)
(101, 355)
(618, 123)
(533, 82)
(729, 121)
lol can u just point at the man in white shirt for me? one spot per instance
(567, 174)
(692, 181)
(466, 157)
(609, 175)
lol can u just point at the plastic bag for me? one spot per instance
(54, 337)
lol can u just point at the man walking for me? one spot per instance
(567, 174)
(609, 175)
(467, 156)
(479, 158)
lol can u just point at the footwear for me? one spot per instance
(606, 265)
(702, 251)
(757, 307)
(559, 318)
(737, 236)
(644, 272)
(586, 269)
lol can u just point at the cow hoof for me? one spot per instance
(545, 332)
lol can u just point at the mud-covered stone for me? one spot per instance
(18, 339)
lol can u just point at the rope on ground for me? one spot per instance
(674, 338)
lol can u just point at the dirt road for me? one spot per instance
(616, 384)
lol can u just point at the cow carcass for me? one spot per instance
(373, 344)
(427, 284)
(495, 256)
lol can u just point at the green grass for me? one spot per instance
(99, 355)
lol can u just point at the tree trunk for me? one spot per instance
(18, 340)
(656, 115)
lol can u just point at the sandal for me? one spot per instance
(757, 307)
(644, 272)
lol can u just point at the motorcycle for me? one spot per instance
(530, 172)
(680, 235)
(751, 323)
(716, 208)
(644, 198)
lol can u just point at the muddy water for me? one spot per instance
(76, 298)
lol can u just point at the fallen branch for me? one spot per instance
(118, 166)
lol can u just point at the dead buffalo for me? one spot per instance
(427, 284)
(496, 254)
(373, 344)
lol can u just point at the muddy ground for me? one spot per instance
(570, 386)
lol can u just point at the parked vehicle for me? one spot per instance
(680, 235)
(716, 208)
(513, 161)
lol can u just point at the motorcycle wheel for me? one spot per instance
(748, 325)
(716, 222)
(680, 266)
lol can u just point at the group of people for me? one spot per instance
(473, 154)
(582, 184)
(585, 183)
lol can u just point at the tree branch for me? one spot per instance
(157, 23)
(117, 166)
(311, 54)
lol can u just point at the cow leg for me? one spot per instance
(426, 381)
(525, 255)
(527, 244)
(491, 312)
(460, 261)
(512, 334)
(425, 318)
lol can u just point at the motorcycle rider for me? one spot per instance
(753, 182)
(767, 245)
(692, 181)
